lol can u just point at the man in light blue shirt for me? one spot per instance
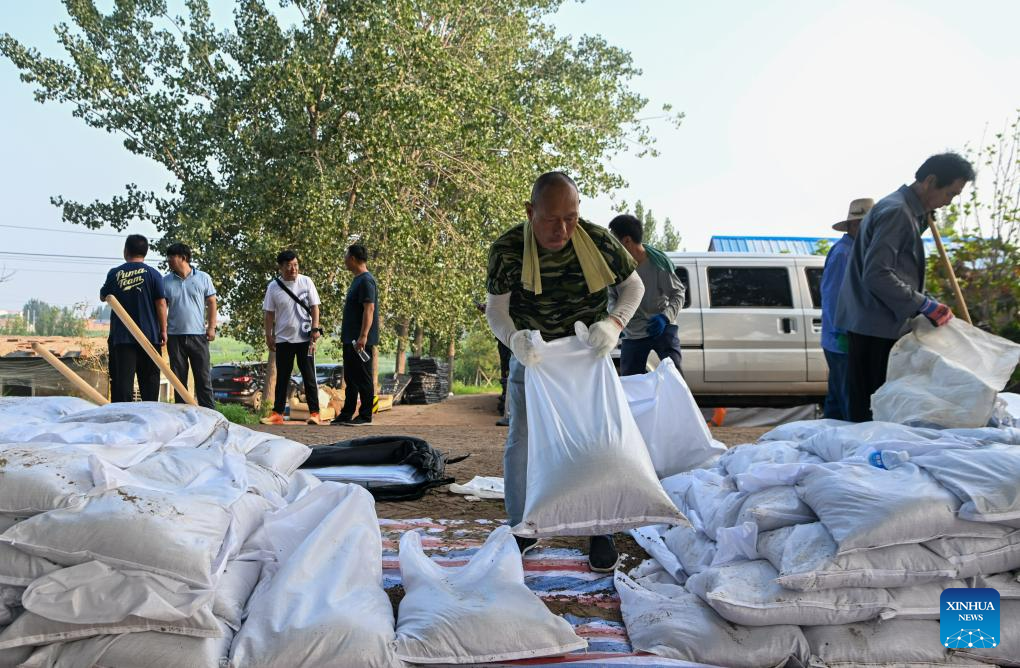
(191, 321)
(834, 342)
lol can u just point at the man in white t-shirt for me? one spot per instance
(292, 328)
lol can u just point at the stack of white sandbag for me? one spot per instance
(123, 531)
(825, 541)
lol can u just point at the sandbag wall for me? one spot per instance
(831, 543)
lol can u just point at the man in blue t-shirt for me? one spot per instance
(191, 321)
(139, 289)
(360, 334)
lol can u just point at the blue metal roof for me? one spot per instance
(785, 245)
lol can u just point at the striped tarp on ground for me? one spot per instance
(557, 575)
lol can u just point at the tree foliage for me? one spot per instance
(414, 126)
(44, 319)
(668, 239)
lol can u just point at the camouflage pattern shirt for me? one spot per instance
(565, 298)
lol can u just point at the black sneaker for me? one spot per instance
(503, 422)
(602, 554)
(340, 419)
(358, 422)
(525, 544)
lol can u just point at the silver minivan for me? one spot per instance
(751, 328)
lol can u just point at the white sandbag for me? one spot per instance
(651, 540)
(267, 483)
(669, 420)
(980, 556)
(176, 535)
(986, 479)
(19, 569)
(709, 499)
(148, 649)
(736, 543)
(233, 591)
(774, 508)
(919, 601)
(280, 454)
(675, 624)
(1005, 583)
(865, 507)
(747, 593)
(36, 477)
(10, 603)
(806, 558)
(96, 593)
(300, 483)
(744, 458)
(482, 487)
(1008, 651)
(324, 599)
(451, 615)
(31, 629)
(945, 376)
(801, 430)
(14, 657)
(692, 548)
(650, 571)
(857, 441)
(896, 642)
(588, 469)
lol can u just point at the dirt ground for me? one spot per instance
(462, 425)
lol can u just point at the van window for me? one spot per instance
(814, 281)
(755, 287)
(681, 273)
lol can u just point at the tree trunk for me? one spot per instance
(269, 389)
(450, 356)
(419, 341)
(402, 329)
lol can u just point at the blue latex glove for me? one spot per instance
(657, 325)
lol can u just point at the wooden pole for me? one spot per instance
(961, 304)
(90, 392)
(149, 350)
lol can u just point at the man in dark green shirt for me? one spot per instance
(544, 276)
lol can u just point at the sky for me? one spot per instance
(792, 109)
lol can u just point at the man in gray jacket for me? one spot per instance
(884, 285)
(653, 326)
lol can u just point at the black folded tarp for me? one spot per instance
(388, 451)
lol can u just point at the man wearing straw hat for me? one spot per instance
(884, 285)
(834, 342)
(545, 275)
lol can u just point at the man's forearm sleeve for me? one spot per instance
(629, 292)
(497, 313)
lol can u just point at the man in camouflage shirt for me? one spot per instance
(520, 303)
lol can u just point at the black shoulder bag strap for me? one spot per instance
(293, 296)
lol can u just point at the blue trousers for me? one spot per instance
(837, 400)
(634, 352)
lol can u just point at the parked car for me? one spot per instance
(330, 375)
(239, 383)
(751, 327)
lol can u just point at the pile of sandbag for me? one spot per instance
(124, 531)
(831, 543)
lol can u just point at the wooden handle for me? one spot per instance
(90, 392)
(961, 303)
(149, 350)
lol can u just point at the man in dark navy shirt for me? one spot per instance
(139, 289)
(360, 334)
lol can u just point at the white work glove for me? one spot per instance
(603, 336)
(523, 347)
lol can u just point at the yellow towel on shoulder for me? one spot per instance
(597, 274)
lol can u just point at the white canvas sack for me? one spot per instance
(588, 469)
(673, 623)
(37, 477)
(987, 479)
(945, 376)
(323, 599)
(481, 612)
(673, 428)
(896, 642)
(980, 556)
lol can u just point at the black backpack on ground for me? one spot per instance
(386, 451)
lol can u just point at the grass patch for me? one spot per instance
(237, 413)
(462, 388)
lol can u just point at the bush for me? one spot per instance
(477, 360)
(237, 413)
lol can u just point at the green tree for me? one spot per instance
(666, 240)
(43, 319)
(414, 126)
(14, 326)
(822, 247)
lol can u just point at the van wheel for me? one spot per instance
(256, 401)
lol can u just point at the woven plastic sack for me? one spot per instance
(477, 613)
(323, 599)
(588, 469)
(673, 623)
(1007, 653)
(986, 479)
(38, 477)
(945, 376)
(671, 424)
(980, 556)
(744, 458)
(895, 642)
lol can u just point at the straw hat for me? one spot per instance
(858, 209)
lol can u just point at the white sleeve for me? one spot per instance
(267, 303)
(313, 294)
(497, 313)
(629, 292)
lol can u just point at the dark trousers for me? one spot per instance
(191, 350)
(837, 405)
(286, 353)
(358, 383)
(634, 352)
(128, 360)
(867, 362)
(504, 374)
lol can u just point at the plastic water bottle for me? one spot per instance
(875, 459)
(887, 459)
(363, 354)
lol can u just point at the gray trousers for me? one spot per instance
(515, 453)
